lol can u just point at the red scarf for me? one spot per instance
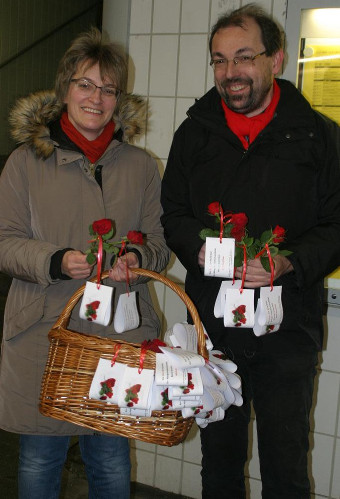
(93, 149)
(243, 127)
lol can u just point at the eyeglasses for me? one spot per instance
(88, 88)
(242, 60)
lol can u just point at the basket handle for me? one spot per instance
(201, 344)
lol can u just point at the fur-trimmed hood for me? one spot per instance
(30, 116)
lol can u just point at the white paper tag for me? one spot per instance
(221, 297)
(106, 381)
(269, 311)
(167, 373)
(182, 358)
(96, 303)
(136, 388)
(192, 387)
(239, 308)
(126, 314)
(219, 257)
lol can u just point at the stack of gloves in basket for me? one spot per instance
(182, 380)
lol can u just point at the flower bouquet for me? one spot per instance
(234, 225)
(103, 230)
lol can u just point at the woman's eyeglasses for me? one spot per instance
(88, 88)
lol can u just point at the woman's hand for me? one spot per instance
(121, 268)
(257, 276)
(74, 265)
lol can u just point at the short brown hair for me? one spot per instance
(89, 48)
(272, 38)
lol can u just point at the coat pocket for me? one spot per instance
(24, 308)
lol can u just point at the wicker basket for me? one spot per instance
(72, 362)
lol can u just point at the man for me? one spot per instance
(254, 145)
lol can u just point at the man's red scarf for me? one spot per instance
(93, 149)
(243, 127)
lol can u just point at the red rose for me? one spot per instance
(135, 237)
(102, 226)
(237, 232)
(239, 219)
(279, 233)
(241, 309)
(214, 208)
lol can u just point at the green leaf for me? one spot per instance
(285, 252)
(91, 231)
(91, 258)
(227, 230)
(208, 233)
(274, 250)
(106, 246)
(266, 235)
(108, 235)
(251, 252)
(265, 263)
(238, 259)
(248, 241)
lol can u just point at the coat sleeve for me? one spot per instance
(21, 256)
(316, 252)
(154, 253)
(181, 227)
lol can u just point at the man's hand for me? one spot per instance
(257, 276)
(74, 265)
(119, 272)
(201, 256)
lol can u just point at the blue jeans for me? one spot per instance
(106, 459)
(278, 378)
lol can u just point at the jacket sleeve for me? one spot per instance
(21, 256)
(181, 227)
(154, 252)
(316, 252)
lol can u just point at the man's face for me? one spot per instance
(245, 88)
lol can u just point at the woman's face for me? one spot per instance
(89, 112)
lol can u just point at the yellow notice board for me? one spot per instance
(333, 279)
(319, 76)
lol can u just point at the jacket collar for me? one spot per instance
(33, 119)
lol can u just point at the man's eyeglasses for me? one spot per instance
(88, 88)
(242, 60)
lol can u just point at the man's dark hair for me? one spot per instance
(270, 32)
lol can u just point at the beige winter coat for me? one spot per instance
(48, 199)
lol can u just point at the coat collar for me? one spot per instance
(31, 117)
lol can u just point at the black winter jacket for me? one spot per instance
(289, 176)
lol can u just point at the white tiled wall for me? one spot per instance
(168, 48)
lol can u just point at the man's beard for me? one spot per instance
(252, 102)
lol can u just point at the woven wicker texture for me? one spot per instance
(72, 362)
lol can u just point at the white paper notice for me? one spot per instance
(126, 315)
(183, 358)
(269, 311)
(219, 257)
(96, 303)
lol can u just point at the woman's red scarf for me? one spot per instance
(93, 149)
(243, 127)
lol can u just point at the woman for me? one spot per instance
(74, 167)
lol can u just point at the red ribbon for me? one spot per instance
(271, 263)
(244, 267)
(223, 221)
(123, 249)
(99, 260)
(143, 351)
(115, 353)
